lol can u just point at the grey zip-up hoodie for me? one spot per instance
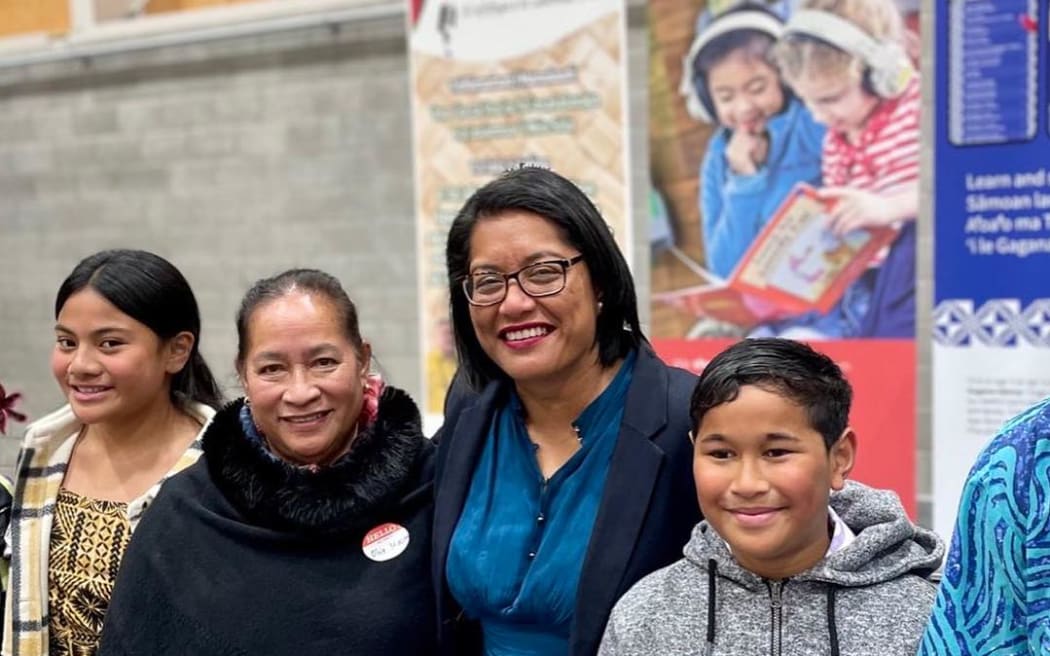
(871, 597)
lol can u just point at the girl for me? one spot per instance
(766, 143)
(139, 393)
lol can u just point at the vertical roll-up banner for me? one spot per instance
(750, 187)
(991, 317)
(496, 84)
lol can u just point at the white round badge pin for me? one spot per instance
(385, 542)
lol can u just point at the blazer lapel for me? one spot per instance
(633, 472)
(465, 438)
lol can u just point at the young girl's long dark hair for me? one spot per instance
(150, 290)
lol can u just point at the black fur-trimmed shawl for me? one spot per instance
(286, 497)
(245, 555)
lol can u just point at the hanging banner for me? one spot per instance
(991, 323)
(497, 84)
(785, 194)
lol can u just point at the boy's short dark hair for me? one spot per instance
(789, 368)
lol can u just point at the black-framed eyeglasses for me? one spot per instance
(545, 278)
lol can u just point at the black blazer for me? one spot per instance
(647, 511)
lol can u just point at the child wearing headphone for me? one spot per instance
(765, 144)
(846, 60)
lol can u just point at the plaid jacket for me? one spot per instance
(42, 462)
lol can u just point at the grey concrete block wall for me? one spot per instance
(242, 157)
(234, 159)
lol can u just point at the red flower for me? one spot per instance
(7, 409)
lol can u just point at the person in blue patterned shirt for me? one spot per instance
(994, 599)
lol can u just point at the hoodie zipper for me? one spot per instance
(776, 606)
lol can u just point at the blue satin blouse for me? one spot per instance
(516, 554)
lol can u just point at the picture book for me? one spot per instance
(795, 265)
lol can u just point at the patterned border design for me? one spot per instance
(998, 322)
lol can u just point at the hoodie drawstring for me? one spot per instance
(712, 573)
(833, 632)
(712, 569)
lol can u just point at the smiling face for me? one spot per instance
(745, 90)
(533, 340)
(763, 478)
(110, 367)
(304, 378)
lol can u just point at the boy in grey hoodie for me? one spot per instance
(781, 564)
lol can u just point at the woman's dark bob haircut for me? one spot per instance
(551, 196)
(150, 290)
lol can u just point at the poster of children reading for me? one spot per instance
(784, 167)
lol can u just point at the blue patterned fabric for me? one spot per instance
(995, 596)
(517, 552)
(251, 431)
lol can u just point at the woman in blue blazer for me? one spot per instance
(564, 465)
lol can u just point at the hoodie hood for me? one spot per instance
(887, 544)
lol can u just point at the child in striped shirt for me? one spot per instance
(846, 60)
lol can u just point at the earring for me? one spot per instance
(599, 307)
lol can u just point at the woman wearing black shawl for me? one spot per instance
(305, 526)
